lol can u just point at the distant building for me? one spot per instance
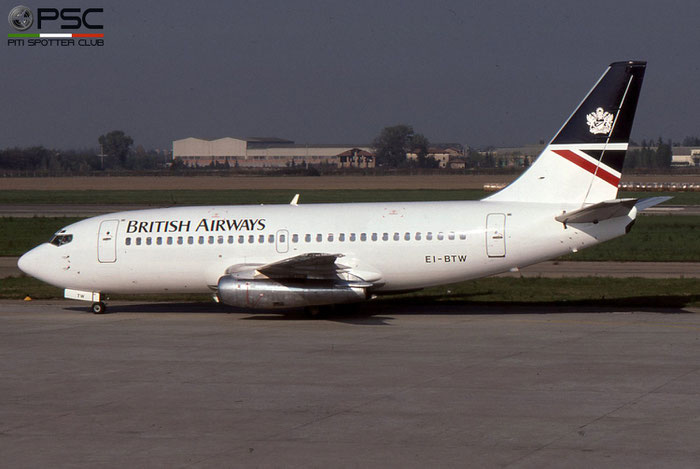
(685, 157)
(356, 158)
(517, 157)
(260, 152)
(443, 153)
(458, 163)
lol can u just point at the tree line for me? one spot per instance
(394, 144)
(115, 153)
(391, 148)
(651, 155)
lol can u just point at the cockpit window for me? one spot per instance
(61, 239)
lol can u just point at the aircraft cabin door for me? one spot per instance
(282, 241)
(496, 235)
(107, 241)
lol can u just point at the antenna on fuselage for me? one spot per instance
(295, 200)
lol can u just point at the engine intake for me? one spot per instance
(270, 294)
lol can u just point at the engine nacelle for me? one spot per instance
(269, 294)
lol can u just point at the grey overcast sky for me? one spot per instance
(475, 72)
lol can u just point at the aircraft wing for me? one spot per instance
(309, 266)
(313, 265)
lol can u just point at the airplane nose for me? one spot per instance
(29, 262)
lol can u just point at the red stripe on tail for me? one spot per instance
(588, 166)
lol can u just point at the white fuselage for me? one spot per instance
(394, 246)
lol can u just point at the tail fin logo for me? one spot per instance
(600, 121)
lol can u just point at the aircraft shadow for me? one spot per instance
(380, 311)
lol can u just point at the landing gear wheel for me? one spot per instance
(99, 308)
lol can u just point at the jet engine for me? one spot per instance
(272, 294)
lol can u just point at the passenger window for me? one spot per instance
(138, 241)
(169, 240)
(220, 239)
(211, 240)
(295, 238)
(374, 236)
(440, 236)
(190, 240)
(307, 238)
(251, 239)
(341, 237)
(330, 237)
(407, 236)
(385, 236)
(397, 236)
(148, 241)
(451, 235)
(463, 236)
(319, 237)
(201, 240)
(180, 240)
(352, 237)
(418, 236)
(363, 237)
(127, 241)
(429, 236)
(231, 239)
(241, 239)
(159, 240)
(283, 238)
(271, 239)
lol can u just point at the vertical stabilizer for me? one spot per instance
(583, 162)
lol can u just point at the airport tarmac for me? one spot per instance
(395, 385)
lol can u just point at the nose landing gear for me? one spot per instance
(98, 306)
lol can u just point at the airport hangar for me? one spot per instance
(257, 152)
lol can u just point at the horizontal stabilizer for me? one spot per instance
(598, 212)
(644, 204)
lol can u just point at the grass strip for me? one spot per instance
(652, 239)
(230, 197)
(274, 196)
(18, 235)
